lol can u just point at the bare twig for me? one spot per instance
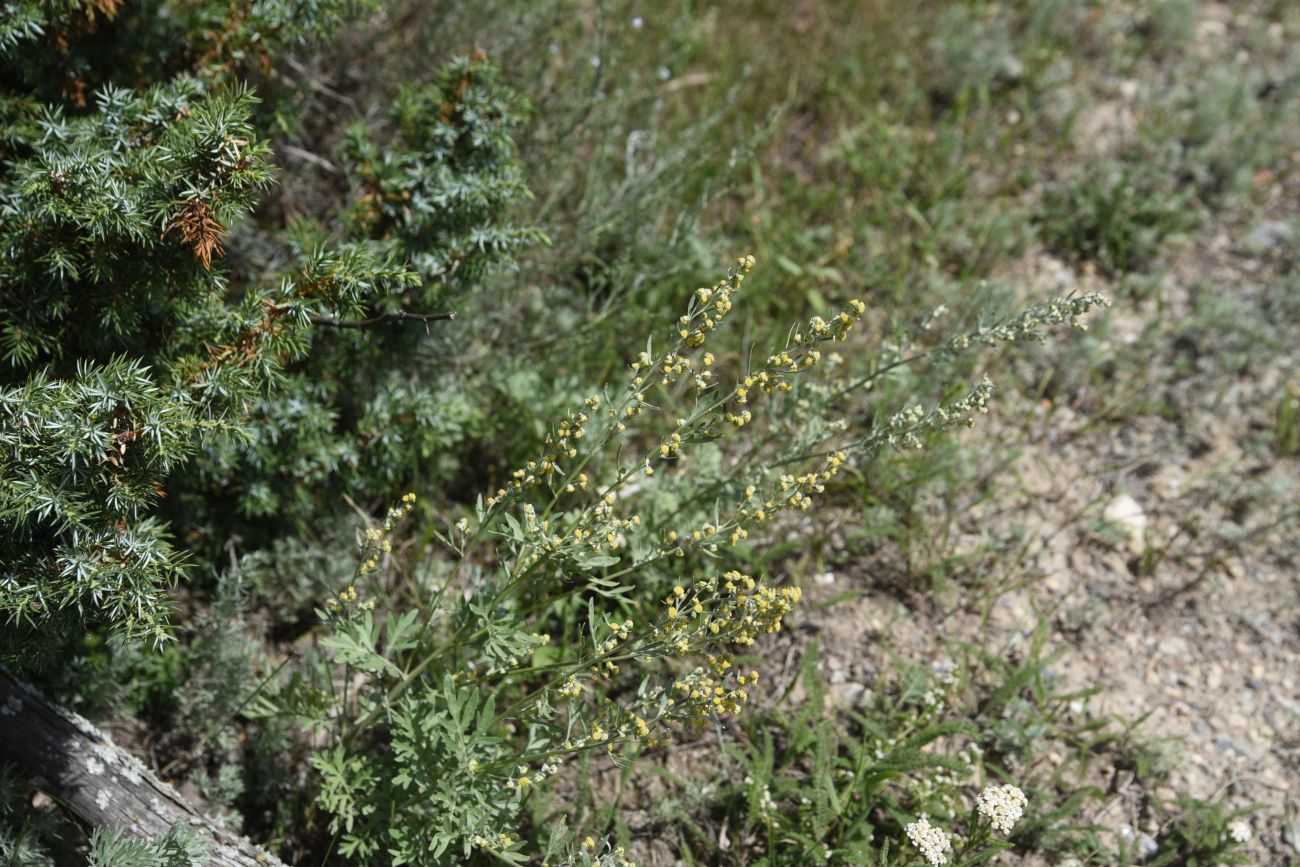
(399, 316)
(317, 84)
(309, 157)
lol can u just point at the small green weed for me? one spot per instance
(1200, 833)
(1113, 215)
(1286, 434)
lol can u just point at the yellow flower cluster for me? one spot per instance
(559, 444)
(734, 609)
(701, 695)
(378, 540)
(571, 688)
(600, 528)
(704, 618)
(671, 448)
(595, 528)
(493, 844)
(789, 492)
(708, 308)
(713, 304)
(525, 778)
(589, 857)
(800, 353)
(618, 633)
(346, 597)
(796, 491)
(671, 366)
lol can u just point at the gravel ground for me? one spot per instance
(1160, 543)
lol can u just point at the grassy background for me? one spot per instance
(976, 155)
(973, 611)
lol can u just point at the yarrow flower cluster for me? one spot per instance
(766, 806)
(1240, 831)
(1002, 806)
(932, 841)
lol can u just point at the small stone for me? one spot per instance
(1146, 846)
(1013, 68)
(1269, 235)
(1227, 744)
(1172, 646)
(854, 694)
(1126, 514)
(1287, 704)
(1291, 832)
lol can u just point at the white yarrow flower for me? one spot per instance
(1240, 831)
(932, 841)
(1002, 806)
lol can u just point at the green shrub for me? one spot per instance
(138, 364)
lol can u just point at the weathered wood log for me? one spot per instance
(101, 783)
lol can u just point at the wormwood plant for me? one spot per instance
(179, 847)
(592, 604)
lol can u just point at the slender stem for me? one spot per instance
(879, 372)
(397, 316)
